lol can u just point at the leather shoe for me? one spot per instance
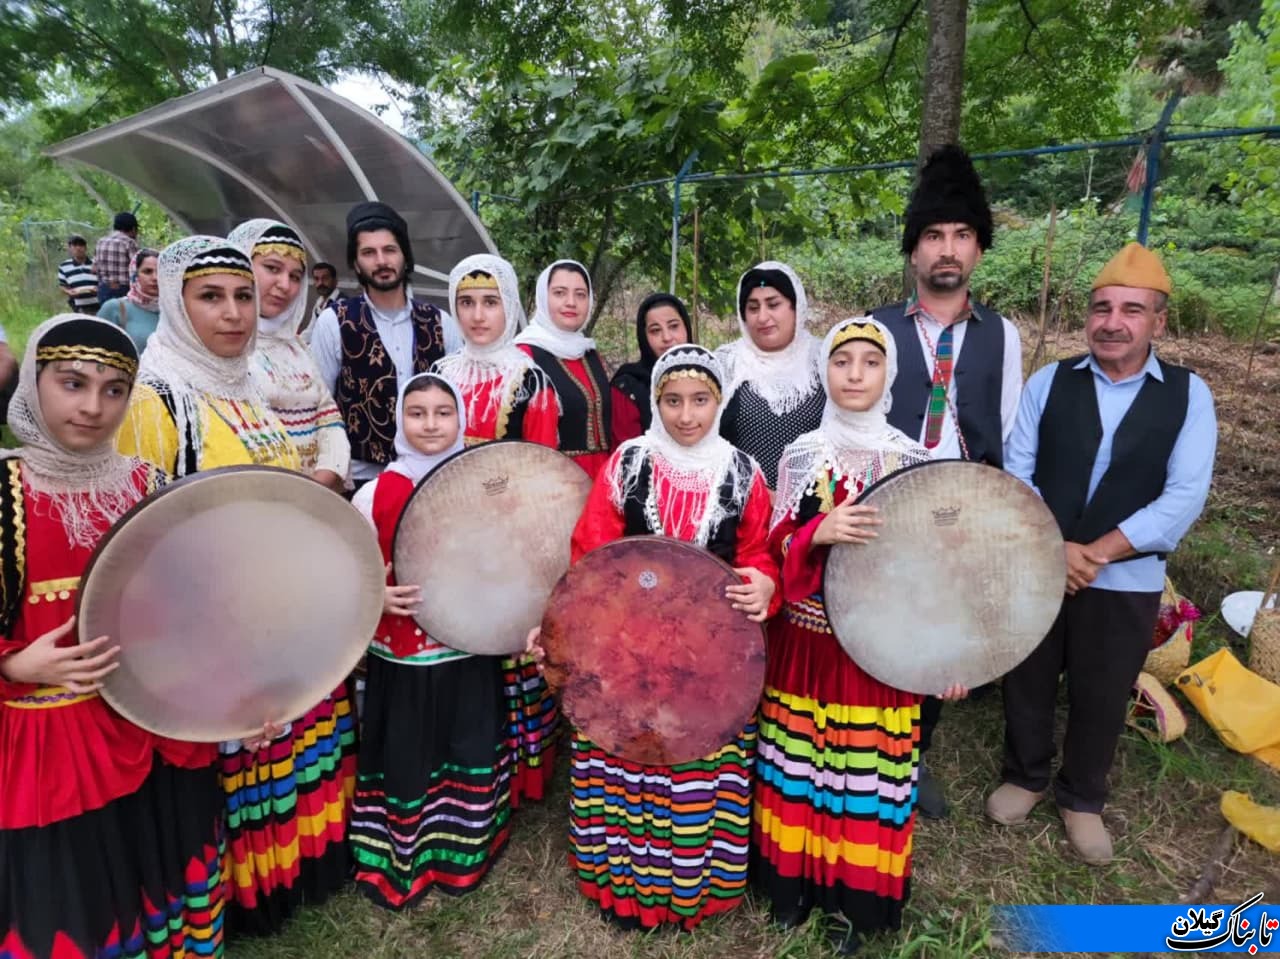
(1088, 836)
(1010, 805)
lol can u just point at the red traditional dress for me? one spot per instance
(669, 844)
(525, 409)
(837, 762)
(108, 834)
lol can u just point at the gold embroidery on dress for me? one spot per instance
(53, 589)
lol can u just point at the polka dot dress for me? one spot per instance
(751, 426)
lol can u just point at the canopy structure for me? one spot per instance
(267, 143)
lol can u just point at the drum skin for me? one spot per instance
(486, 536)
(238, 596)
(650, 660)
(962, 583)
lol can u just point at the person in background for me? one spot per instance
(8, 375)
(76, 278)
(662, 321)
(113, 257)
(138, 312)
(324, 280)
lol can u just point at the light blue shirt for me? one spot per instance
(1159, 525)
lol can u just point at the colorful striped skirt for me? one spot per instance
(139, 878)
(533, 719)
(661, 844)
(433, 798)
(835, 783)
(287, 807)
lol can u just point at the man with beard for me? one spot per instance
(959, 362)
(367, 345)
(1119, 444)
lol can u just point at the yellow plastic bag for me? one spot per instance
(1259, 823)
(1240, 706)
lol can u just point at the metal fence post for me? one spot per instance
(1153, 164)
(475, 201)
(675, 218)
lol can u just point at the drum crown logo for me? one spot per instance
(946, 516)
(496, 485)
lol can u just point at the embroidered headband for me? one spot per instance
(224, 259)
(89, 340)
(280, 240)
(867, 332)
(478, 280)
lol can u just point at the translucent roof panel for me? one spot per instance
(266, 143)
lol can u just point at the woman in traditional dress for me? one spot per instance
(662, 321)
(569, 359)
(195, 408)
(654, 845)
(774, 392)
(505, 393)
(433, 801)
(506, 396)
(108, 834)
(836, 770)
(138, 311)
(282, 367)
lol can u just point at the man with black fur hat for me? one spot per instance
(367, 345)
(959, 362)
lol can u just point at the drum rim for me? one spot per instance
(100, 549)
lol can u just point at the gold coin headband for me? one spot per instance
(267, 247)
(689, 373)
(90, 354)
(868, 332)
(478, 281)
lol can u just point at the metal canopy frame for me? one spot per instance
(269, 144)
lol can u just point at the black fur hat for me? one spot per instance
(948, 191)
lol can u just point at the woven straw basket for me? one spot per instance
(1264, 637)
(1171, 657)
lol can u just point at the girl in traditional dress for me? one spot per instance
(569, 359)
(108, 834)
(662, 321)
(774, 392)
(195, 408)
(433, 802)
(282, 367)
(669, 844)
(506, 396)
(836, 771)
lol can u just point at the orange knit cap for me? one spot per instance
(1135, 266)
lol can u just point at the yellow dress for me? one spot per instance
(234, 433)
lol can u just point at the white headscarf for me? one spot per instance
(784, 378)
(410, 461)
(698, 471)
(176, 362)
(86, 487)
(248, 236)
(542, 330)
(847, 442)
(502, 360)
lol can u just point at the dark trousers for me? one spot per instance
(108, 292)
(930, 713)
(1100, 639)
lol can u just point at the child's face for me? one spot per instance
(83, 403)
(430, 420)
(688, 410)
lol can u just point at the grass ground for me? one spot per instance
(1163, 814)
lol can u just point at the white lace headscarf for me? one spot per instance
(542, 330)
(848, 443)
(176, 363)
(475, 364)
(695, 474)
(259, 238)
(410, 461)
(784, 378)
(87, 487)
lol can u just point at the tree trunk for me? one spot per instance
(944, 76)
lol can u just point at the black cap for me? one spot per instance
(373, 215)
(948, 191)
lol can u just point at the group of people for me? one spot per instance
(118, 842)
